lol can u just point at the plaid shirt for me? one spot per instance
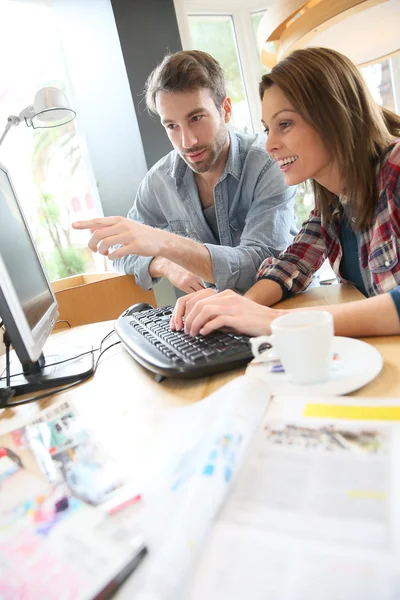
(378, 245)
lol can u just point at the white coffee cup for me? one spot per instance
(302, 340)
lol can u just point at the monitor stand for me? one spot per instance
(44, 373)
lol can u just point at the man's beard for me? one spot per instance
(214, 151)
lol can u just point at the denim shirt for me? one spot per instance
(254, 211)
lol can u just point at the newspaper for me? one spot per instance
(314, 514)
(261, 504)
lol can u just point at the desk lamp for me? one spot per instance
(50, 108)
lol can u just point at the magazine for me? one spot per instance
(56, 540)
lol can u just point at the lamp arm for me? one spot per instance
(10, 122)
(25, 114)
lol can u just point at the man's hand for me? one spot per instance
(178, 276)
(142, 240)
(134, 238)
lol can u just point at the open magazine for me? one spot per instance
(56, 540)
(261, 504)
(249, 497)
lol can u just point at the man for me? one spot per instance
(214, 208)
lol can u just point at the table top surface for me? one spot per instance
(126, 407)
(121, 382)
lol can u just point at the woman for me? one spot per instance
(322, 124)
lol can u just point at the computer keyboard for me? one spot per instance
(145, 333)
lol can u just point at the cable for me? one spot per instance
(64, 321)
(47, 394)
(7, 345)
(60, 362)
(7, 393)
(64, 389)
(101, 354)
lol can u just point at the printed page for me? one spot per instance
(54, 544)
(314, 513)
(68, 450)
(204, 445)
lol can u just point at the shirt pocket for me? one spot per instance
(237, 224)
(384, 258)
(184, 228)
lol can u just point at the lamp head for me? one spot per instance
(51, 108)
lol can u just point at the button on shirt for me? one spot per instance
(253, 207)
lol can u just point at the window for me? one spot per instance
(215, 34)
(48, 166)
(303, 202)
(255, 21)
(381, 79)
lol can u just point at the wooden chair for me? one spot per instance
(94, 297)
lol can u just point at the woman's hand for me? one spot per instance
(185, 304)
(206, 311)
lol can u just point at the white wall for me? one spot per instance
(105, 111)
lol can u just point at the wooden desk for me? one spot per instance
(122, 386)
(125, 406)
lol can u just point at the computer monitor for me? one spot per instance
(28, 307)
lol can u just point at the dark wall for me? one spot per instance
(147, 30)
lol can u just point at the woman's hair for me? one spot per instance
(184, 71)
(328, 91)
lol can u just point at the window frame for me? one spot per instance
(245, 40)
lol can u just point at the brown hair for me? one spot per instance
(185, 71)
(328, 92)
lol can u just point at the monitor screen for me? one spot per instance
(25, 290)
(28, 307)
(20, 261)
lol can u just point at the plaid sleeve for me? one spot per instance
(294, 268)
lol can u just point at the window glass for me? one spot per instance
(216, 35)
(49, 168)
(378, 77)
(270, 46)
(303, 202)
(394, 63)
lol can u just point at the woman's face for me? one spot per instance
(297, 148)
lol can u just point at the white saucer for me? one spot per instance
(358, 363)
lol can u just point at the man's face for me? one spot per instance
(196, 128)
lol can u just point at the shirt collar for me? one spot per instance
(233, 164)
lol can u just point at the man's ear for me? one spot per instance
(227, 109)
